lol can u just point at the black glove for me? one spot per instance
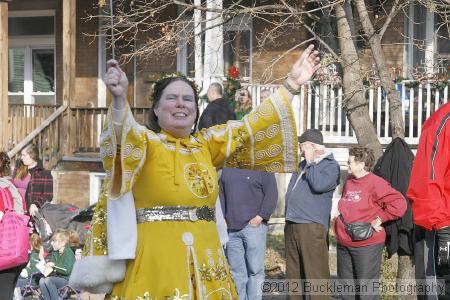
(443, 247)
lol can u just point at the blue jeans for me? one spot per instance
(245, 253)
(49, 287)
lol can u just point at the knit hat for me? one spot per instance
(311, 135)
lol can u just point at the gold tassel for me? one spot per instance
(101, 3)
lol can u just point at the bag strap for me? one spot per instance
(342, 219)
(4, 196)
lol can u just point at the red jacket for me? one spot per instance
(429, 186)
(363, 200)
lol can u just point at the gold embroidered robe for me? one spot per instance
(183, 259)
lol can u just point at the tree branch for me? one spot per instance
(394, 11)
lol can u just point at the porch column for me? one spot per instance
(4, 119)
(429, 42)
(198, 44)
(68, 80)
(213, 65)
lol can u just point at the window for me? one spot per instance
(95, 186)
(31, 74)
(428, 43)
(16, 75)
(31, 26)
(442, 36)
(237, 51)
(31, 66)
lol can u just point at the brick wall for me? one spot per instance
(263, 57)
(71, 187)
(71, 181)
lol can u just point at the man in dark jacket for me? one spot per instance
(308, 207)
(218, 110)
(248, 199)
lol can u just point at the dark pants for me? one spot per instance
(425, 254)
(306, 250)
(358, 266)
(8, 279)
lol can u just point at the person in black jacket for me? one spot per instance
(218, 110)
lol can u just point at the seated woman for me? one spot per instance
(59, 266)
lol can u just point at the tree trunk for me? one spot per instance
(395, 106)
(356, 104)
(405, 271)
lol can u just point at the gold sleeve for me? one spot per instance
(265, 140)
(123, 160)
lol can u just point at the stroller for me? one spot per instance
(54, 216)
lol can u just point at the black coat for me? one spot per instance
(395, 167)
(217, 112)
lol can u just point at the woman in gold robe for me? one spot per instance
(154, 235)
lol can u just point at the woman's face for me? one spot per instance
(354, 167)
(26, 159)
(264, 95)
(176, 110)
(243, 97)
(57, 244)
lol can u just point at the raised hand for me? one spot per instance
(305, 67)
(117, 83)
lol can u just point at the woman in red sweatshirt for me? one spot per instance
(365, 198)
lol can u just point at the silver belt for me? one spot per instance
(175, 213)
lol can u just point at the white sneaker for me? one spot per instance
(17, 294)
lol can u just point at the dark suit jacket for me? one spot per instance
(217, 112)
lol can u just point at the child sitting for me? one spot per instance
(36, 257)
(58, 267)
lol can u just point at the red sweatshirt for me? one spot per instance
(363, 200)
(429, 186)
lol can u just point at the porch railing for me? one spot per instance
(48, 136)
(322, 107)
(316, 107)
(24, 118)
(88, 124)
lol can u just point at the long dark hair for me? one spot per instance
(158, 90)
(22, 171)
(5, 167)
